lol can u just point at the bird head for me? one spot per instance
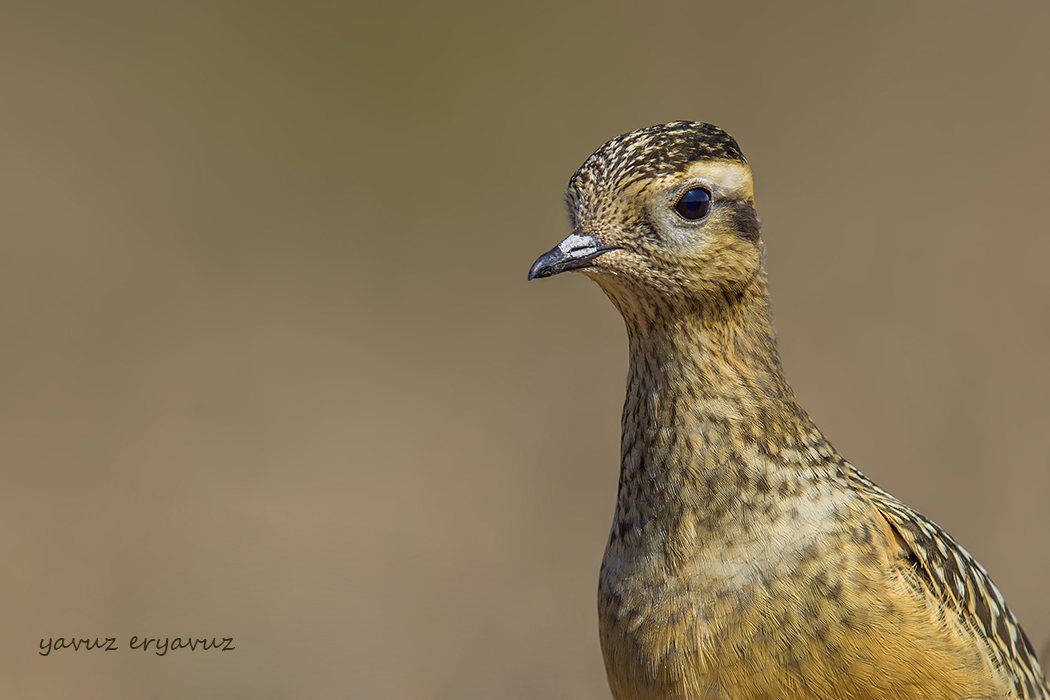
(662, 216)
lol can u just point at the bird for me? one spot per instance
(747, 559)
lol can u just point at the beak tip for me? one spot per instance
(545, 265)
(536, 271)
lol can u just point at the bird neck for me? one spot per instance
(707, 405)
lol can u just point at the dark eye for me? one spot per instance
(694, 204)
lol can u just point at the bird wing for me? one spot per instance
(955, 576)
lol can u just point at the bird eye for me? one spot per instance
(694, 204)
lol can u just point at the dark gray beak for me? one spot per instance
(576, 251)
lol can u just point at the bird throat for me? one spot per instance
(711, 430)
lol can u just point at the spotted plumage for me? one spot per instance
(965, 587)
(747, 559)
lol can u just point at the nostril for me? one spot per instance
(575, 243)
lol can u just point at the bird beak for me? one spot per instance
(576, 251)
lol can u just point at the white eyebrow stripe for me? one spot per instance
(727, 178)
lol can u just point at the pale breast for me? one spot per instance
(789, 607)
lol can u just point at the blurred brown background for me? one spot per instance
(272, 371)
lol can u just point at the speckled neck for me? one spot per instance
(709, 423)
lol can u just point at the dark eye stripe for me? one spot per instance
(694, 204)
